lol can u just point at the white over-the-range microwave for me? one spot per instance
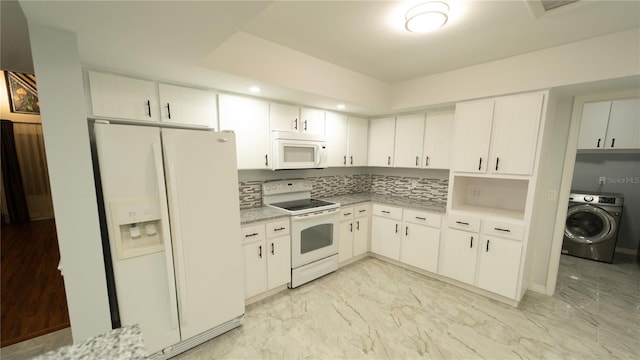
(293, 150)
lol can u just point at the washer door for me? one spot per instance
(588, 224)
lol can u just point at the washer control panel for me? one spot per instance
(605, 199)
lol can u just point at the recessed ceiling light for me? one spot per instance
(254, 89)
(341, 106)
(426, 17)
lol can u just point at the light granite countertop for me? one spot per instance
(124, 344)
(268, 213)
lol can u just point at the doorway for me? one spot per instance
(32, 288)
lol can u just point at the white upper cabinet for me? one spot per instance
(337, 130)
(623, 131)
(346, 140)
(408, 141)
(515, 133)
(381, 141)
(497, 136)
(312, 121)
(357, 141)
(122, 97)
(249, 119)
(187, 106)
(438, 131)
(471, 136)
(595, 117)
(610, 125)
(292, 118)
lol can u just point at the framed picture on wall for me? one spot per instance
(23, 94)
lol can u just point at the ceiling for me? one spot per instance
(176, 40)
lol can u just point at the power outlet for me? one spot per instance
(602, 180)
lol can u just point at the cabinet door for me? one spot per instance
(514, 134)
(623, 131)
(336, 125)
(408, 141)
(471, 136)
(385, 237)
(499, 265)
(357, 141)
(593, 128)
(438, 132)
(459, 255)
(278, 261)
(255, 262)
(122, 97)
(284, 117)
(420, 246)
(345, 249)
(381, 142)
(249, 119)
(186, 106)
(361, 236)
(312, 121)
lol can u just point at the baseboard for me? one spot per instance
(538, 288)
(627, 251)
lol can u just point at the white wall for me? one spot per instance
(623, 176)
(607, 57)
(64, 122)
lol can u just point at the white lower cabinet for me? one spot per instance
(267, 256)
(354, 231)
(473, 254)
(385, 231)
(420, 244)
(499, 265)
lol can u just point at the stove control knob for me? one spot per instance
(588, 198)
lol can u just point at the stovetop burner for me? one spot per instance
(304, 204)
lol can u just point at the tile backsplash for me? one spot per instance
(434, 190)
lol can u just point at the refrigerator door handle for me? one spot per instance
(172, 189)
(168, 253)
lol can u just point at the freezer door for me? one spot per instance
(202, 188)
(133, 185)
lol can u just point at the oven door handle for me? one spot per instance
(316, 214)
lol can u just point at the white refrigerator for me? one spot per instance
(173, 221)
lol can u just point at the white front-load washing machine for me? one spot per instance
(592, 224)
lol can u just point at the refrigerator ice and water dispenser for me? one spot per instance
(138, 226)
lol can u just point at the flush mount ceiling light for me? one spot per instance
(426, 17)
(341, 106)
(254, 89)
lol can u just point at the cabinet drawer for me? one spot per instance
(503, 229)
(422, 217)
(252, 233)
(346, 213)
(463, 222)
(277, 228)
(361, 210)
(387, 211)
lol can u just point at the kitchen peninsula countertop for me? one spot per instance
(268, 213)
(123, 343)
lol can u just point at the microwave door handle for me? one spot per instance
(318, 149)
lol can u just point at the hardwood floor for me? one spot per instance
(32, 294)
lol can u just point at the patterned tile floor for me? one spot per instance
(372, 309)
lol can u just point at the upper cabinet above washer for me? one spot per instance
(610, 125)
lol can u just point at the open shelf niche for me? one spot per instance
(490, 196)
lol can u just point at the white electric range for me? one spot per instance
(314, 228)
